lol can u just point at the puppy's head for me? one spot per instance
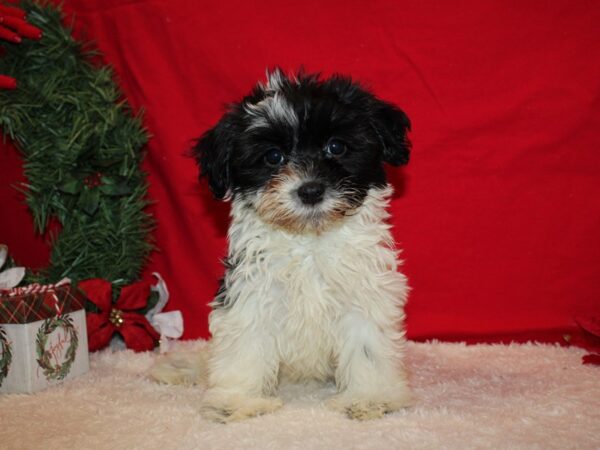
(302, 151)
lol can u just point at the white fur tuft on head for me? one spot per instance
(273, 108)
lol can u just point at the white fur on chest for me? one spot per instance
(304, 291)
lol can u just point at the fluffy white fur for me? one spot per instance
(314, 306)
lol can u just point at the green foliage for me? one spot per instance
(81, 147)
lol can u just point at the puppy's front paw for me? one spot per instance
(367, 409)
(227, 407)
(359, 410)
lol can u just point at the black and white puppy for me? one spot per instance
(311, 288)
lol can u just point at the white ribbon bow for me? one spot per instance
(9, 278)
(168, 324)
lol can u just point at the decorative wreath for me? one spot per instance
(6, 355)
(81, 148)
(44, 356)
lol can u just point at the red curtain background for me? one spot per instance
(498, 212)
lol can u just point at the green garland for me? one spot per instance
(5, 355)
(44, 357)
(82, 151)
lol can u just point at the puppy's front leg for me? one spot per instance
(369, 375)
(243, 369)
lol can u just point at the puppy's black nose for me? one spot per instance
(311, 193)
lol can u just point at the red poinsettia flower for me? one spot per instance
(122, 317)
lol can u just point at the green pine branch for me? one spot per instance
(82, 149)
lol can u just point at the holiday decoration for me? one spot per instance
(168, 324)
(123, 317)
(43, 337)
(13, 27)
(81, 148)
(5, 355)
(12, 276)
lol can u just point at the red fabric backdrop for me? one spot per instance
(499, 211)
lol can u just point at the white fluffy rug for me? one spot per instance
(518, 396)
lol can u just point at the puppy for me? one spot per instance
(311, 289)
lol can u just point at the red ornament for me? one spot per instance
(121, 317)
(12, 11)
(13, 27)
(94, 180)
(7, 82)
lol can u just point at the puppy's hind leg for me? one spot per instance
(185, 368)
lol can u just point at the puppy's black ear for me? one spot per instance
(391, 126)
(213, 153)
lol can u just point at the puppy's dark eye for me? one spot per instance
(274, 157)
(335, 147)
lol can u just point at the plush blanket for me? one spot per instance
(483, 396)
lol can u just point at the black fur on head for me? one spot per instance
(334, 130)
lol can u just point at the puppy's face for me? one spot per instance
(303, 152)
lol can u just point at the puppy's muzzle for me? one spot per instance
(311, 193)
